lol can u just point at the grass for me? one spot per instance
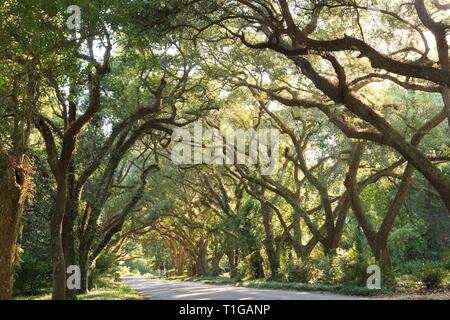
(405, 284)
(182, 278)
(44, 294)
(266, 284)
(108, 290)
(338, 289)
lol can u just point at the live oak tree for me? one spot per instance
(161, 116)
(359, 91)
(27, 59)
(308, 57)
(62, 131)
(304, 36)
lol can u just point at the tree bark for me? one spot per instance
(439, 32)
(84, 270)
(215, 263)
(202, 262)
(232, 262)
(14, 185)
(59, 265)
(269, 242)
(69, 238)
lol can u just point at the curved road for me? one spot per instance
(155, 289)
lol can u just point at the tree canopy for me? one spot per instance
(358, 93)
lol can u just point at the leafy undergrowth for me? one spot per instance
(407, 287)
(106, 291)
(436, 294)
(182, 278)
(339, 289)
(45, 294)
(266, 284)
(114, 291)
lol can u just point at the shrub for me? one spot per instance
(104, 266)
(389, 279)
(354, 268)
(446, 260)
(32, 274)
(121, 271)
(256, 265)
(356, 275)
(242, 270)
(171, 273)
(330, 269)
(410, 267)
(299, 271)
(409, 242)
(432, 275)
(250, 267)
(138, 266)
(135, 272)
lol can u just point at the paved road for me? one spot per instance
(155, 289)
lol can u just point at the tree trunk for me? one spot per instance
(90, 281)
(269, 243)
(86, 239)
(231, 261)
(215, 264)
(14, 186)
(297, 239)
(202, 262)
(69, 239)
(334, 234)
(179, 262)
(384, 257)
(59, 265)
(84, 269)
(256, 264)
